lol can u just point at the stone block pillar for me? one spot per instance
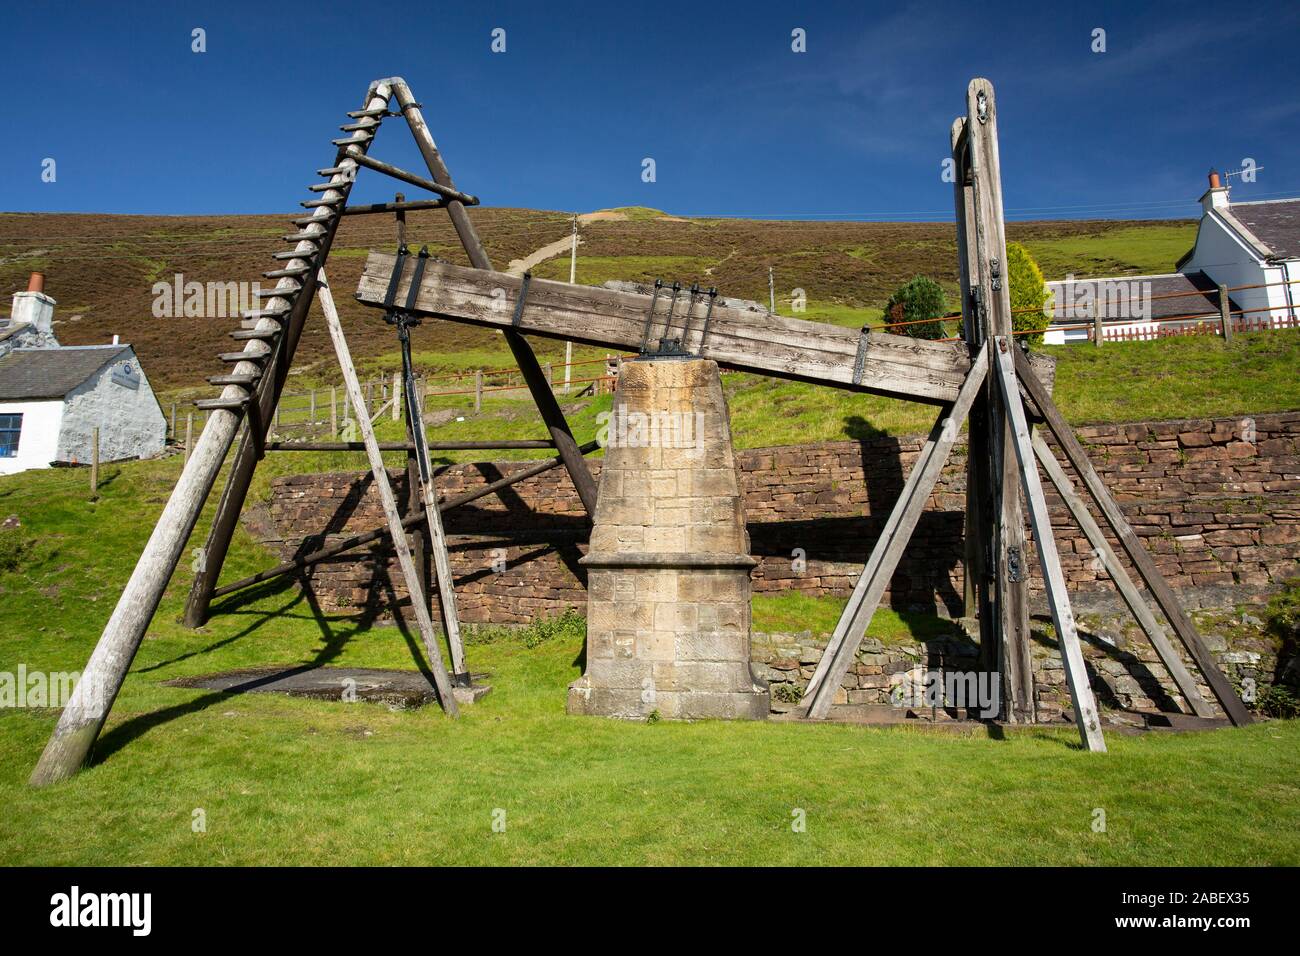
(668, 613)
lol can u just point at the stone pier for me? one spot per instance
(668, 589)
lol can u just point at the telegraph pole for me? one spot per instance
(573, 279)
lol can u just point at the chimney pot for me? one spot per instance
(1215, 182)
(36, 282)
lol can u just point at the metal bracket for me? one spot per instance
(523, 297)
(650, 317)
(995, 274)
(1015, 569)
(860, 359)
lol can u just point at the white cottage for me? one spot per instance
(53, 397)
(1255, 245)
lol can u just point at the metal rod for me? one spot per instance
(382, 207)
(408, 446)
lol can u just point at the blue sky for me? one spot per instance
(736, 122)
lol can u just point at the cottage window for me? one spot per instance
(10, 427)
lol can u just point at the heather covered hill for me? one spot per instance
(103, 269)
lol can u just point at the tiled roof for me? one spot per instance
(52, 373)
(1127, 295)
(1275, 223)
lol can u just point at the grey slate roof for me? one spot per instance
(52, 373)
(1206, 302)
(1276, 223)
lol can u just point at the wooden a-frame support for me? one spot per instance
(250, 394)
(353, 154)
(991, 398)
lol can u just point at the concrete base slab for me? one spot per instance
(399, 690)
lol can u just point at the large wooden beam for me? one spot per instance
(538, 386)
(1049, 561)
(737, 339)
(1137, 553)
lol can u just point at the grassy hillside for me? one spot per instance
(102, 269)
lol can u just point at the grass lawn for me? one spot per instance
(280, 780)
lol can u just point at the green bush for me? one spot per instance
(919, 300)
(1028, 291)
(1278, 702)
(569, 623)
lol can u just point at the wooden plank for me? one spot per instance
(1137, 553)
(871, 584)
(1123, 583)
(419, 602)
(738, 339)
(1058, 599)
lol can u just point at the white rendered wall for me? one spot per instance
(39, 441)
(130, 423)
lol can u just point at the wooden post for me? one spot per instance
(311, 409)
(1225, 312)
(172, 430)
(1098, 327)
(397, 396)
(419, 601)
(1058, 599)
(94, 461)
(334, 414)
(478, 390)
(189, 435)
(1011, 597)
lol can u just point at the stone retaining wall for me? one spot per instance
(1217, 502)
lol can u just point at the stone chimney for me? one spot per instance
(34, 306)
(1216, 197)
(668, 568)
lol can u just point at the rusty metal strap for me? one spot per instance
(860, 359)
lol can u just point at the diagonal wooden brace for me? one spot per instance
(1137, 553)
(871, 584)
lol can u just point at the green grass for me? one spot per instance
(1186, 377)
(289, 781)
(1133, 250)
(792, 612)
(596, 270)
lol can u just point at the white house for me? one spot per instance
(53, 397)
(1251, 244)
